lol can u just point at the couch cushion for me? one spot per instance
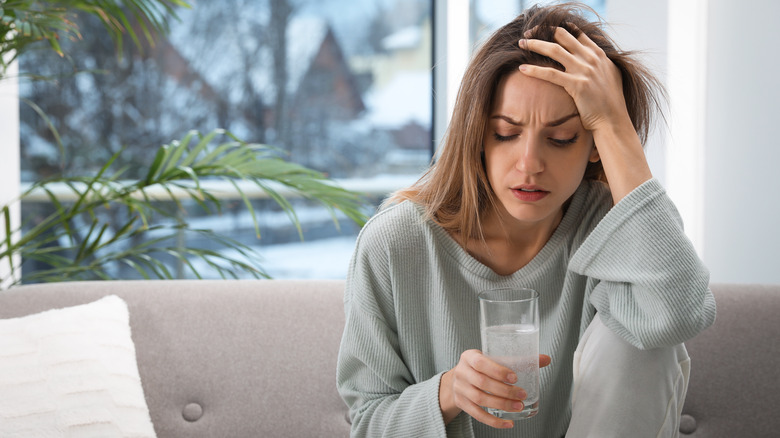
(734, 387)
(71, 372)
(225, 357)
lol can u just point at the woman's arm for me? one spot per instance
(382, 394)
(653, 290)
(383, 398)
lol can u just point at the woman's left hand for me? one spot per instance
(594, 83)
(590, 78)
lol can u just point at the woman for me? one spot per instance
(542, 182)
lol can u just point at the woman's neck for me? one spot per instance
(509, 244)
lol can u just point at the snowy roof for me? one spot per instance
(406, 38)
(393, 105)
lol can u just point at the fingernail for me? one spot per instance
(521, 395)
(527, 33)
(508, 425)
(511, 378)
(522, 67)
(517, 406)
(523, 44)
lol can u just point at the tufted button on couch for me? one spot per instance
(257, 358)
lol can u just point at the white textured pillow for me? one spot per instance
(72, 372)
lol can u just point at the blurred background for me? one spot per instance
(362, 92)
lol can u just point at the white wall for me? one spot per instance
(721, 159)
(641, 26)
(742, 156)
(720, 156)
(9, 151)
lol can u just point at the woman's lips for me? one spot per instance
(529, 194)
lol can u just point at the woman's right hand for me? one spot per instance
(476, 382)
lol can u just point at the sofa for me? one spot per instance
(257, 358)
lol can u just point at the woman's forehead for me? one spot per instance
(519, 97)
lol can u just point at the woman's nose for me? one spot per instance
(529, 156)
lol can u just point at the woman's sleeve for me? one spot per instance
(653, 290)
(383, 398)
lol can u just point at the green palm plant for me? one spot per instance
(77, 240)
(182, 169)
(26, 22)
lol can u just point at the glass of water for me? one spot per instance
(509, 326)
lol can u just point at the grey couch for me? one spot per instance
(257, 358)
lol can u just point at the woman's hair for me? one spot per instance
(455, 190)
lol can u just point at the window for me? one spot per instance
(343, 87)
(488, 15)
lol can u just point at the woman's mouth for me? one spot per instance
(529, 194)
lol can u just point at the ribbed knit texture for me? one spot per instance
(411, 306)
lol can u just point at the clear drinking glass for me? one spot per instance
(509, 326)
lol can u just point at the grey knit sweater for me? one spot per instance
(411, 306)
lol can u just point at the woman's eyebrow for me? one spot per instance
(556, 122)
(562, 120)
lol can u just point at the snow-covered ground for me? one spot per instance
(319, 259)
(326, 258)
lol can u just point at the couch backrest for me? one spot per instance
(258, 357)
(249, 358)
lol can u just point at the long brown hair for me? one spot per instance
(455, 190)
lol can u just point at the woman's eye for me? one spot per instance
(564, 142)
(500, 137)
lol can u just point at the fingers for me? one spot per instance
(489, 400)
(551, 49)
(555, 51)
(574, 54)
(584, 39)
(490, 377)
(548, 74)
(483, 416)
(480, 382)
(544, 360)
(582, 45)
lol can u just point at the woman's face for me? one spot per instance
(536, 149)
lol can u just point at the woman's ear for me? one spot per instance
(594, 155)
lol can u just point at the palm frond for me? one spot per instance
(25, 22)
